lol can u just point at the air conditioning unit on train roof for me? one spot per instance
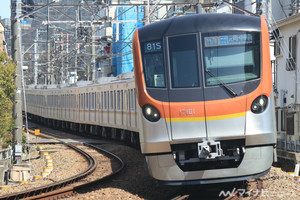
(127, 75)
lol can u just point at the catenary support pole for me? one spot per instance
(16, 10)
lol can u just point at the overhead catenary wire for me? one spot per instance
(88, 7)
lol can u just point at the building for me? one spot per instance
(7, 33)
(3, 47)
(287, 86)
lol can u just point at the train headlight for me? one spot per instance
(151, 113)
(259, 104)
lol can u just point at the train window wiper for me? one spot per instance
(224, 85)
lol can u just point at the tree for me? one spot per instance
(7, 90)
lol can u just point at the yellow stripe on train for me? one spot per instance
(195, 119)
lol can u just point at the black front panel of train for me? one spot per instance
(183, 68)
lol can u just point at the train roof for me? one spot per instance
(102, 81)
(199, 23)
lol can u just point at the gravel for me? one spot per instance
(134, 183)
(63, 167)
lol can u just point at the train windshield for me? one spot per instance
(183, 61)
(231, 57)
(153, 62)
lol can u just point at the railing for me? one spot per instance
(6, 153)
(288, 145)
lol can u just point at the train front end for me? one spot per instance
(206, 108)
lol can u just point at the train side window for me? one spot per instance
(97, 101)
(66, 102)
(74, 101)
(86, 101)
(101, 101)
(115, 101)
(48, 101)
(90, 100)
(78, 101)
(121, 100)
(82, 101)
(183, 54)
(70, 100)
(105, 101)
(111, 100)
(118, 100)
(132, 100)
(93, 101)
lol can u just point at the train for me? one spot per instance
(199, 103)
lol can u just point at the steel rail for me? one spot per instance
(57, 185)
(62, 188)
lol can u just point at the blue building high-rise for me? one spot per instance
(128, 19)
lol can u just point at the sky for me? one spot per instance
(5, 9)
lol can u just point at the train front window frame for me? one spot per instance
(153, 64)
(231, 57)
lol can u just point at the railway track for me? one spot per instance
(75, 183)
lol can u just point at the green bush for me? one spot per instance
(7, 90)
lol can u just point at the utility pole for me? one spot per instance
(36, 57)
(67, 58)
(16, 11)
(93, 53)
(146, 13)
(76, 45)
(62, 59)
(48, 47)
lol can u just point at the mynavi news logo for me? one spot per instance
(262, 193)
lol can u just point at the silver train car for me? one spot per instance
(199, 105)
(106, 109)
(204, 89)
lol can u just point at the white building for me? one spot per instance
(287, 83)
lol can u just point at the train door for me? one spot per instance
(187, 113)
